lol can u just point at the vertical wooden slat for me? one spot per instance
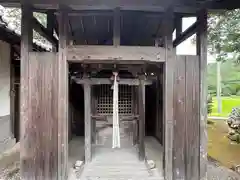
(179, 116)
(63, 96)
(88, 122)
(192, 118)
(186, 112)
(25, 126)
(116, 27)
(141, 103)
(40, 158)
(168, 21)
(202, 53)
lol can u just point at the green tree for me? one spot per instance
(224, 35)
(13, 16)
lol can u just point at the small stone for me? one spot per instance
(78, 164)
(151, 164)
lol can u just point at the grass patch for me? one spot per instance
(220, 147)
(227, 104)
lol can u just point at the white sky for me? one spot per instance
(186, 47)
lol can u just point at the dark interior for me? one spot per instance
(153, 101)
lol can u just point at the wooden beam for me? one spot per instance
(168, 22)
(44, 32)
(181, 6)
(141, 103)
(186, 34)
(62, 97)
(119, 54)
(98, 81)
(202, 53)
(25, 129)
(87, 122)
(178, 26)
(117, 27)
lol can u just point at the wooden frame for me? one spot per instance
(113, 54)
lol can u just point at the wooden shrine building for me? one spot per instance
(69, 92)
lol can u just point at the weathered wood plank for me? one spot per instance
(192, 122)
(25, 126)
(141, 104)
(168, 20)
(108, 54)
(87, 122)
(39, 153)
(202, 52)
(179, 141)
(62, 97)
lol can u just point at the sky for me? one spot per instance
(187, 47)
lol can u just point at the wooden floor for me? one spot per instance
(115, 164)
(118, 164)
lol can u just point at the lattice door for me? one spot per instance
(104, 96)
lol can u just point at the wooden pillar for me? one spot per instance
(87, 122)
(63, 97)
(141, 103)
(26, 46)
(116, 27)
(93, 112)
(50, 26)
(168, 21)
(178, 26)
(202, 53)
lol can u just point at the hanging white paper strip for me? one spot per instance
(116, 131)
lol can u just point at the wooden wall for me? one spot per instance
(40, 138)
(186, 144)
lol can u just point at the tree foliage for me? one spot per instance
(13, 16)
(230, 76)
(224, 35)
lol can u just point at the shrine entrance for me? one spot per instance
(122, 126)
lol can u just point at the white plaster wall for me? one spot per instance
(4, 79)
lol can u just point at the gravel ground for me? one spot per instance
(12, 172)
(215, 172)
